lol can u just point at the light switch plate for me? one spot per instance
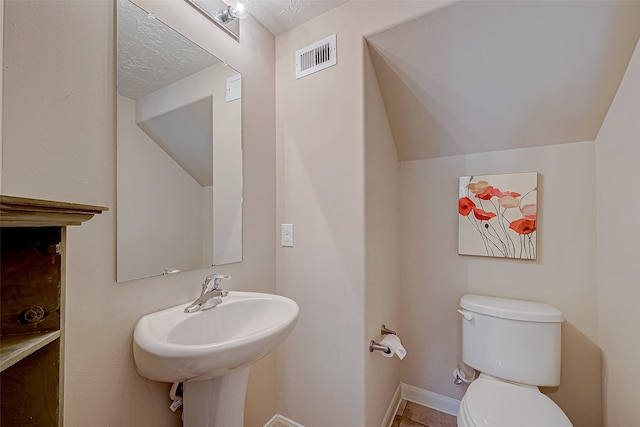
(287, 235)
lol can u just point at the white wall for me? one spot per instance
(434, 276)
(587, 264)
(321, 179)
(321, 190)
(60, 143)
(617, 155)
(382, 246)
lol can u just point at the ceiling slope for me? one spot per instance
(493, 75)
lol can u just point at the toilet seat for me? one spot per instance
(490, 402)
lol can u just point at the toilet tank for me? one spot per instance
(514, 340)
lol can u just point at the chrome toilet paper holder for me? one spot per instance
(379, 347)
(385, 331)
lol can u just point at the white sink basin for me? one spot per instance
(174, 346)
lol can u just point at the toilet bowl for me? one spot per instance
(515, 345)
(490, 402)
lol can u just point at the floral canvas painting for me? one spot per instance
(497, 215)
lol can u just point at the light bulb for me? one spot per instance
(239, 11)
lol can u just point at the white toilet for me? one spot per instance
(515, 345)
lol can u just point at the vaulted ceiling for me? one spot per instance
(482, 76)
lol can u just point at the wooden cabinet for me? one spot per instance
(32, 241)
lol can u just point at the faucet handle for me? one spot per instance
(216, 278)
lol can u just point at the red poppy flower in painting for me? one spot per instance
(523, 226)
(465, 206)
(483, 215)
(487, 194)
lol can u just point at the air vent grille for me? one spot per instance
(318, 56)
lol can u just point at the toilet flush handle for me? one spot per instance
(466, 314)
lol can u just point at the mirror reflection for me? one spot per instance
(179, 201)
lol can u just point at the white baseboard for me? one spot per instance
(281, 421)
(420, 396)
(430, 399)
(393, 407)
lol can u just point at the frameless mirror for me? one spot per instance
(179, 190)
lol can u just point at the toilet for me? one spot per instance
(515, 345)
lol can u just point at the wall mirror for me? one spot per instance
(179, 130)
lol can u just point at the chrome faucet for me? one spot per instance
(211, 294)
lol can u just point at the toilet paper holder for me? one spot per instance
(379, 347)
(385, 331)
(376, 346)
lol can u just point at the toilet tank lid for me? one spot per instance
(505, 308)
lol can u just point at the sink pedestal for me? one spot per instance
(218, 402)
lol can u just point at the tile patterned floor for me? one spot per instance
(411, 414)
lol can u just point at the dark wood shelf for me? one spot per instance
(14, 348)
(32, 232)
(25, 212)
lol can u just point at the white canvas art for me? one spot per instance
(497, 215)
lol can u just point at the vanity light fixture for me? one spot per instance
(231, 13)
(224, 15)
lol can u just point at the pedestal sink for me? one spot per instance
(210, 351)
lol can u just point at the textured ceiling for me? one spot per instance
(152, 55)
(279, 16)
(484, 76)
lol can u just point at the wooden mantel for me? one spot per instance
(24, 212)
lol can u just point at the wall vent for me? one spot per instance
(317, 56)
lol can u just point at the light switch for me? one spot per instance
(287, 235)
